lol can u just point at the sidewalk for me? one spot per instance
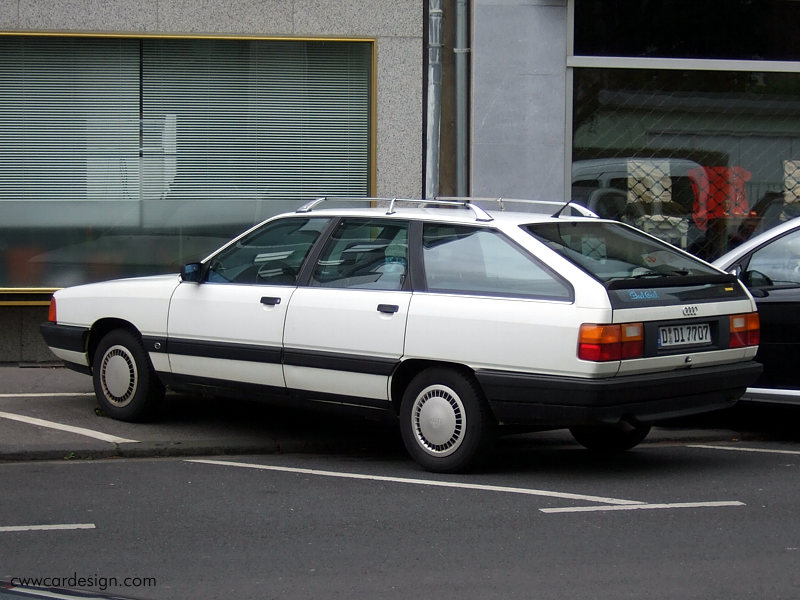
(194, 426)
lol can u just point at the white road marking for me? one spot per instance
(735, 449)
(61, 427)
(61, 527)
(45, 395)
(575, 509)
(450, 484)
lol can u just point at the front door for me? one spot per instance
(229, 328)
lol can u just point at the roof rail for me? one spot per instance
(544, 204)
(480, 214)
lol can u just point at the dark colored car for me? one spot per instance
(769, 265)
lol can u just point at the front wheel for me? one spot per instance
(445, 422)
(610, 438)
(125, 382)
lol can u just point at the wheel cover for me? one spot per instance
(438, 420)
(118, 375)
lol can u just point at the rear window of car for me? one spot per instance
(611, 251)
(636, 269)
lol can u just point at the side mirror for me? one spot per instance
(192, 272)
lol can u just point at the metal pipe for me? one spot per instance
(434, 108)
(462, 51)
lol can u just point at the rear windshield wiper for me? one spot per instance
(655, 279)
(670, 273)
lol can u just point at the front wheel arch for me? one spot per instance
(125, 383)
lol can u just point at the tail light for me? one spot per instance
(745, 330)
(600, 343)
(51, 313)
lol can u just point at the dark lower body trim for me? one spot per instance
(65, 337)
(525, 399)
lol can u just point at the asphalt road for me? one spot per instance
(221, 499)
(663, 522)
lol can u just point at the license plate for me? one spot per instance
(696, 334)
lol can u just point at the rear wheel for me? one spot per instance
(125, 382)
(445, 421)
(610, 438)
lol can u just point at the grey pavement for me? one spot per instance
(197, 425)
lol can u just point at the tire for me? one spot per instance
(125, 383)
(610, 438)
(445, 421)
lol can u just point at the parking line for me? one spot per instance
(427, 482)
(61, 527)
(575, 509)
(98, 435)
(734, 449)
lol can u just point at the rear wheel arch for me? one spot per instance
(445, 420)
(409, 369)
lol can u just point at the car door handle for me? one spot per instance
(388, 308)
(270, 300)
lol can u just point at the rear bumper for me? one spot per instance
(527, 399)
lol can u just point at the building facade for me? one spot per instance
(141, 134)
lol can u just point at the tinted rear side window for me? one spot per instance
(611, 251)
(470, 260)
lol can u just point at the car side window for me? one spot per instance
(777, 263)
(364, 254)
(470, 260)
(271, 255)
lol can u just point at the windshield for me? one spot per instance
(610, 251)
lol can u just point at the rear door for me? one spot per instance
(345, 330)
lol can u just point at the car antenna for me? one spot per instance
(557, 214)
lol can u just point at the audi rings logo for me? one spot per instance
(689, 311)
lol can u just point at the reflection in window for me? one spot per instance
(364, 254)
(779, 262)
(476, 261)
(271, 255)
(700, 159)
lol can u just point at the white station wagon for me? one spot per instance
(462, 322)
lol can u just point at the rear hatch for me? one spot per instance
(670, 309)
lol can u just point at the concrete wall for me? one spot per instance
(519, 98)
(396, 24)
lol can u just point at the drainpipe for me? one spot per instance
(434, 107)
(461, 50)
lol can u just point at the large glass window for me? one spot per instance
(702, 159)
(706, 29)
(123, 157)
